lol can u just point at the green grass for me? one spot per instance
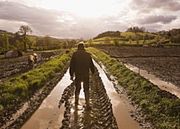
(131, 38)
(20, 88)
(133, 35)
(161, 108)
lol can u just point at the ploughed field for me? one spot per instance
(12, 66)
(31, 100)
(162, 62)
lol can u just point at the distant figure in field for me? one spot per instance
(80, 64)
(32, 59)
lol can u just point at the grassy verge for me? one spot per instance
(160, 107)
(20, 88)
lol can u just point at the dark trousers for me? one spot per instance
(85, 80)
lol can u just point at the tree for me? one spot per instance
(23, 31)
(136, 29)
(5, 39)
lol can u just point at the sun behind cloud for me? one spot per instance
(87, 18)
(83, 8)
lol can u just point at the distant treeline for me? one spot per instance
(173, 35)
(21, 40)
(118, 33)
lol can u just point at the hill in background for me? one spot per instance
(15, 41)
(137, 36)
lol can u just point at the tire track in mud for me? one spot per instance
(99, 117)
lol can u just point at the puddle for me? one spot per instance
(48, 115)
(120, 104)
(167, 86)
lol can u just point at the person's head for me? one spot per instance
(81, 46)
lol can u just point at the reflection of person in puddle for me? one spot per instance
(80, 64)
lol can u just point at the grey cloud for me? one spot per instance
(65, 25)
(172, 5)
(53, 23)
(19, 12)
(157, 19)
(44, 21)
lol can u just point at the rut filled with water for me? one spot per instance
(109, 108)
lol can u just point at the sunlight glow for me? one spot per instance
(83, 8)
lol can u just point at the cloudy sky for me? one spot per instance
(87, 18)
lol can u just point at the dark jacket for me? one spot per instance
(81, 63)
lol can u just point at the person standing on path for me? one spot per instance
(80, 65)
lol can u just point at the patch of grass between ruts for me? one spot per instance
(20, 88)
(161, 108)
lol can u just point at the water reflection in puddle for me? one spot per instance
(120, 104)
(49, 115)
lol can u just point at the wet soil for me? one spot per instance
(110, 107)
(48, 114)
(134, 51)
(162, 62)
(166, 68)
(100, 116)
(12, 66)
(163, 85)
(123, 110)
(16, 117)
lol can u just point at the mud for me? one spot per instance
(48, 114)
(110, 107)
(12, 66)
(134, 51)
(15, 118)
(99, 117)
(165, 68)
(162, 62)
(169, 87)
(122, 107)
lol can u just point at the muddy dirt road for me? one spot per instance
(48, 114)
(109, 109)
